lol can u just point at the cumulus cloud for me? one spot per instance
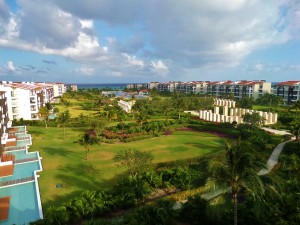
(85, 70)
(132, 60)
(54, 32)
(113, 12)
(10, 68)
(159, 67)
(270, 68)
(161, 36)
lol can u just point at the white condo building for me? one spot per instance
(24, 99)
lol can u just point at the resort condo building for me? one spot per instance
(288, 90)
(3, 113)
(58, 89)
(191, 87)
(25, 98)
(167, 86)
(239, 89)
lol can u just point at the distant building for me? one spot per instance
(288, 90)
(167, 86)
(137, 86)
(191, 87)
(59, 89)
(72, 87)
(239, 89)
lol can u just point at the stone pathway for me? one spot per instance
(279, 132)
(272, 161)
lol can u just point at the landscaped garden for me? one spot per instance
(64, 161)
(102, 167)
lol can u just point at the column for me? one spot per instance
(216, 110)
(225, 110)
(231, 112)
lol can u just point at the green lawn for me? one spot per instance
(64, 161)
(76, 110)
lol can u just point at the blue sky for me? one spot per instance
(120, 41)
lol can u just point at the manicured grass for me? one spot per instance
(64, 161)
(75, 110)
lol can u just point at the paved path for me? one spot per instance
(273, 160)
(280, 132)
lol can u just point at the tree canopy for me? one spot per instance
(135, 161)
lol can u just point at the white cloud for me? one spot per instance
(87, 24)
(156, 37)
(10, 67)
(132, 60)
(159, 67)
(85, 70)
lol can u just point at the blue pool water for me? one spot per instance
(22, 154)
(21, 128)
(22, 171)
(20, 135)
(23, 143)
(23, 204)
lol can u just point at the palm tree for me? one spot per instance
(57, 215)
(236, 171)
(89, 138)
(295, 127)
(64, 118)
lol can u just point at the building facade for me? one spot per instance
(238, 89)
(288, 90)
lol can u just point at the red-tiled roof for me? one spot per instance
(246, 82)
(288, 83)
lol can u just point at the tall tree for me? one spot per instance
(254, 119)
(44, 113)
(246, 102)
(63, 119)
(136, 161)
(295, 127)
(89, 137)
(237, 171)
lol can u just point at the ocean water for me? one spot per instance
(114, 86)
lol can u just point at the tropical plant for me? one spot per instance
(135, 161)
(57, 215)
(64, 118)
(246, 102)
(254, 119)
(89, 137)
(295, 127)
(44, 113)
(236, 172)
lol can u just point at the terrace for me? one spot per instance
(19, 194)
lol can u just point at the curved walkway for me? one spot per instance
(272, 161)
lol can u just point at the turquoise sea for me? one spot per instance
(114, 86)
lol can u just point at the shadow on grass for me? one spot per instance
(80, 175)
(36, 132)
(210, 145)
(61, 152)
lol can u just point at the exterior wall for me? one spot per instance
(239, 89)
(3, 113)
(22, 103)
(289, 91)
(152, 85)
(58, 89)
